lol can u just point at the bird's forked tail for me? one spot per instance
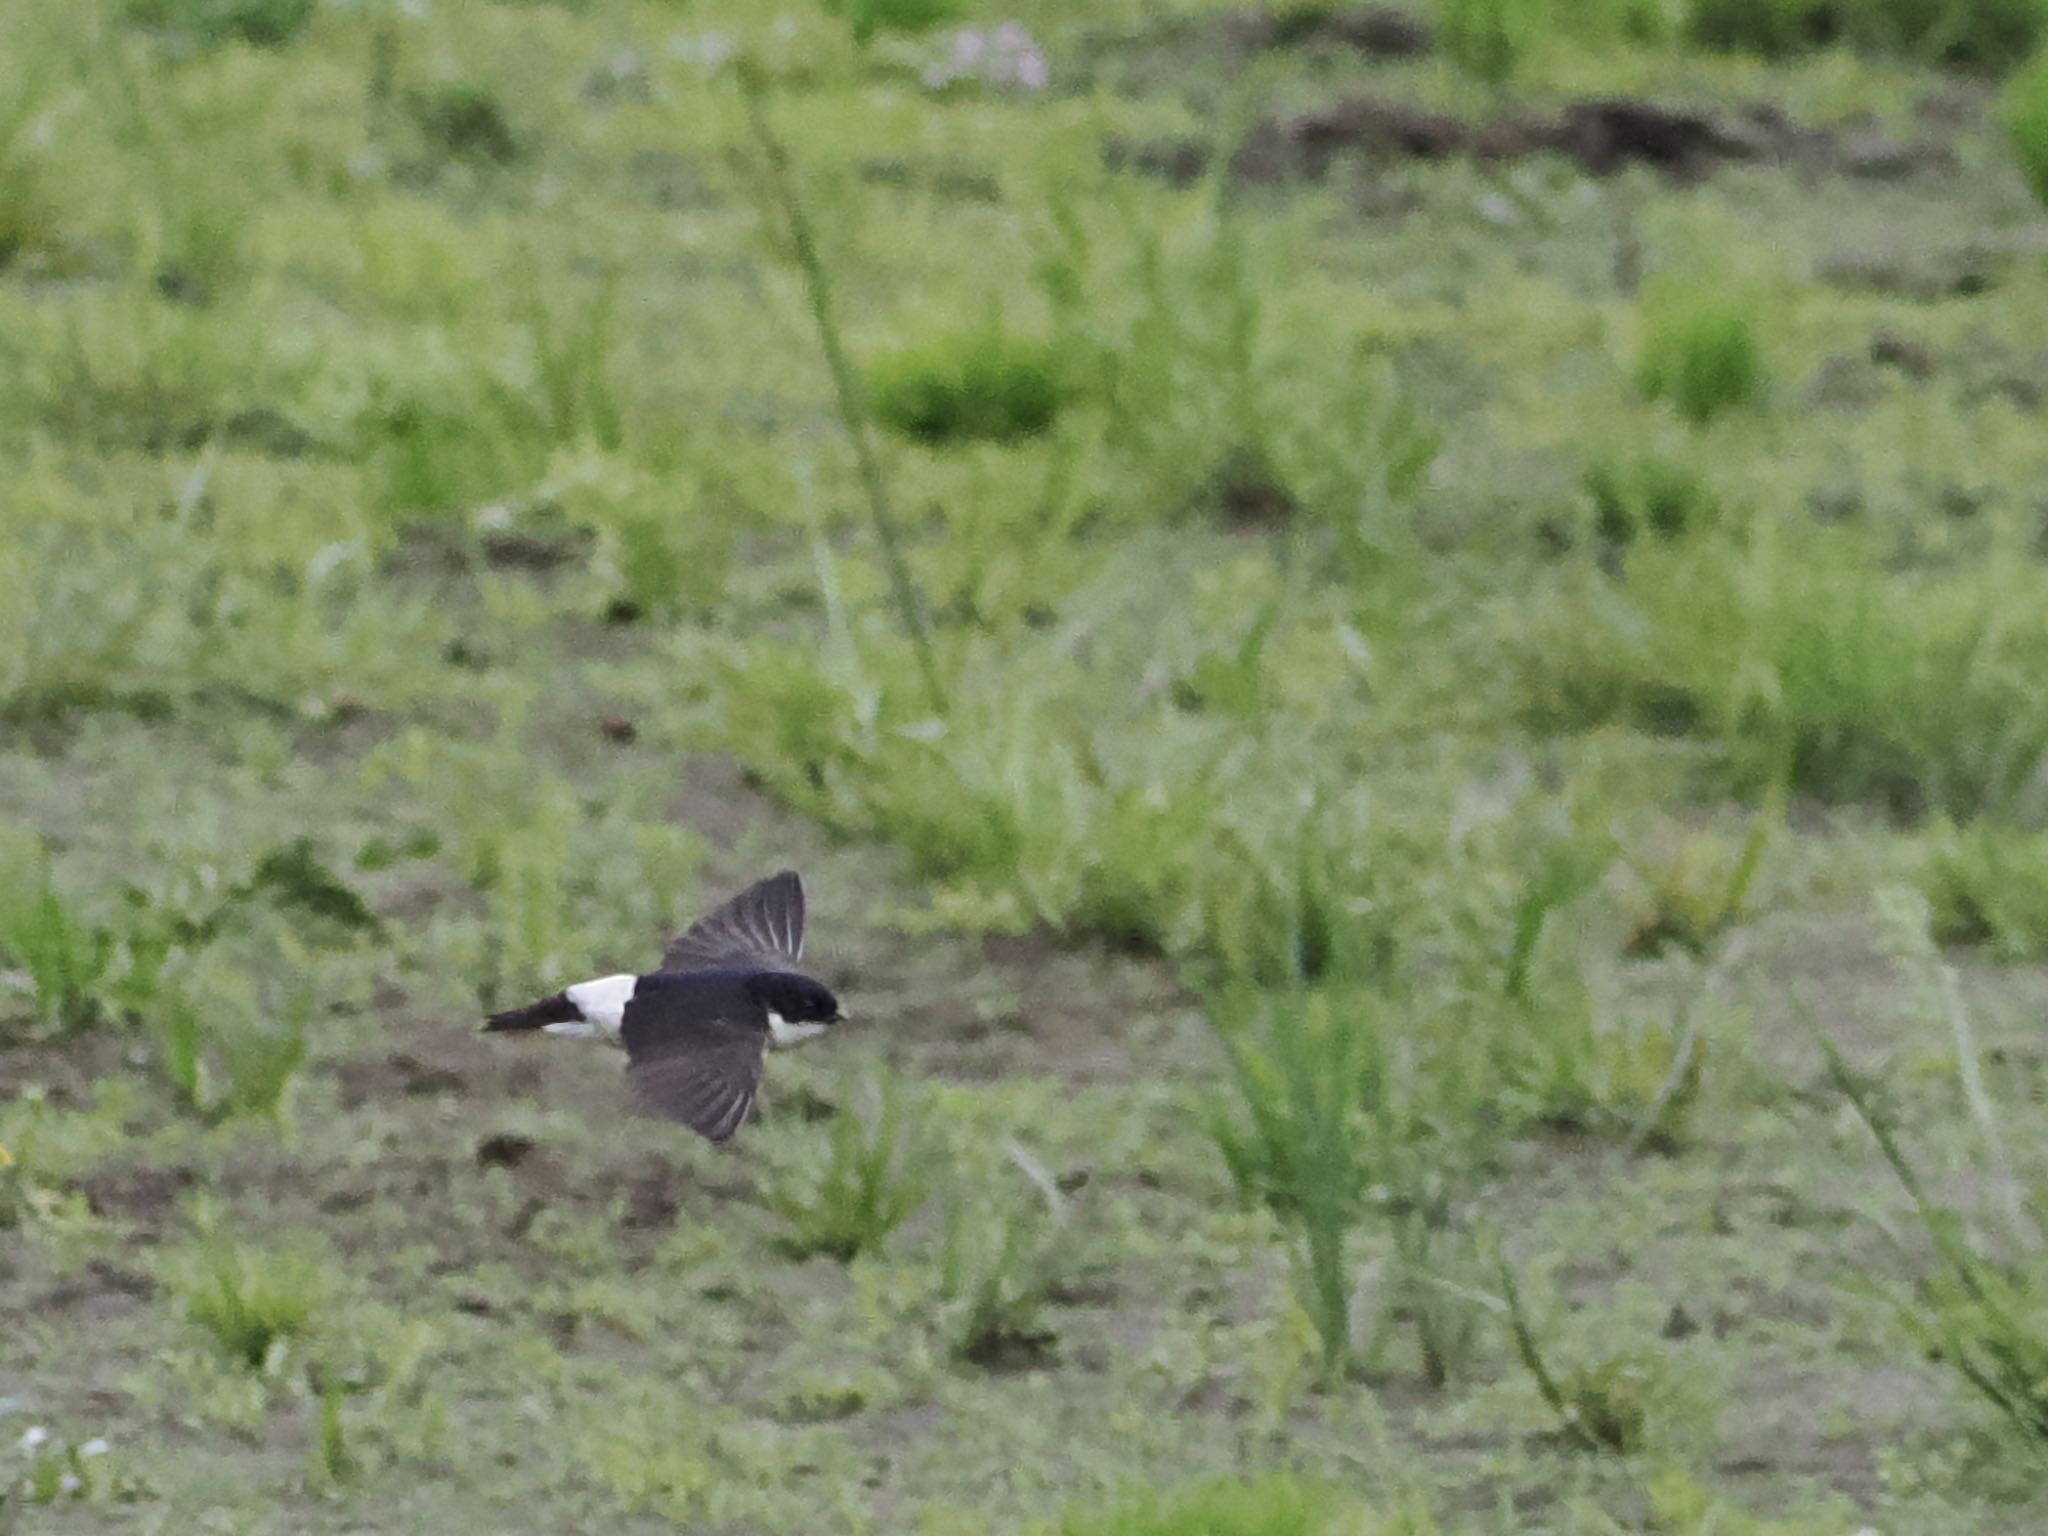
(549, 1010)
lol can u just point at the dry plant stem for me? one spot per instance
(818, 289)
(1972, 1072)
(1959, 1259)
(1532, 1358)
(1688, 1049)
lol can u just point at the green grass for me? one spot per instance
(985, 385)
(1647, 494)
(1005, 1253)
(865, 1185)
(1701, 353)
(1335, 1135)
(1487, 38)
(1977, 1310)
(60, 958)
(260, 23)
(1273, 1506)
(869, 17)
(1985, 35)
(1985, 885)
(1323, 721)
(255, 1304)
(2026, 116)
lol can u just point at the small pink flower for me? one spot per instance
(1004, 56)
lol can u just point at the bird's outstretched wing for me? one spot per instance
(761, 929)
(689, 1062)
(710, 1091)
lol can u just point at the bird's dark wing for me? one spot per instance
(761, 929)
(695, 1055)
(709, 1089)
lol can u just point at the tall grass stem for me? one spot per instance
(845, 383)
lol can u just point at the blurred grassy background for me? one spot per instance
(1406, 648)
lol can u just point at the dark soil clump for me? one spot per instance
(1374, 30)
(1603, 136)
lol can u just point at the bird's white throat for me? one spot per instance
(783, 1034)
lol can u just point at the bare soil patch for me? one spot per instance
(1602, 135)
(1169, 55)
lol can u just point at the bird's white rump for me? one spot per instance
(602, 1002)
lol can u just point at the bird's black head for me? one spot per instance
(797, 999)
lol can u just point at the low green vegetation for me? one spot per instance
(869, 17)
(61, 961)
(1645, 494)
(2026, 109)
(1488, 37)
(1005, 1254)
(1271, 1506)
(1701, 353)
(1987, 35)
(1979, 1307)
(255, 1304)
(864, 1186)
(985, 385)
(261, 23)
(1347, 614)
(1986, 885)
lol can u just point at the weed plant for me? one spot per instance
(1689, 889)
(1700, 352)
(16, 1192)
(61, 958)
(1991, 36)
(1980, 1312)
(1487, 38)
(2026, 122)
(39, 1468)
(1808, 668)
(1681, 1506)
(1275, 1505)
(1614, 1404)
(818, 291)
(985, 385)
(464, 121)
(1335, 1135)
(1986, 884)
(332, 1462)
(225, 1057)
(1203, 414)
(1645, 494)
(210, 23)
(867, 18)
(866, 1184)
(1002, 1262)
(256, 1304)
(33, 212)
(1569, 1059)
(1767, 28)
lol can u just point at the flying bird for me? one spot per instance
(696, 1030)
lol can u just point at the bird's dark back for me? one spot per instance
(669, 1006)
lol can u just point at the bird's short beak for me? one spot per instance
(839, 1017)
